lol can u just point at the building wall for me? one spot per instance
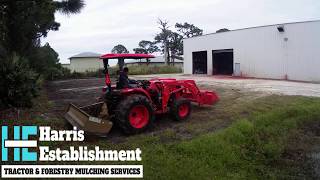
(264, 52)
(85, 64)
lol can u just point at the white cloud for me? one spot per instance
(103, 24)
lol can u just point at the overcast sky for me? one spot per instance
(102, 24)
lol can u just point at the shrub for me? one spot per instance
(45, 61)
(99, 73)
(65, 73)
(114, 71)
(19, 84)
(145, 69)
(57, 73)
(87, 74)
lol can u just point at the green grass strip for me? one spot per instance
(248, 149)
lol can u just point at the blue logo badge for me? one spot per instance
(20, 144)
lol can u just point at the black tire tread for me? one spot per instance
(124, 108)
(174, 109)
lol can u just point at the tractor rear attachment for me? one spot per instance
(93, 119)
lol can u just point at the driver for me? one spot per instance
(124, 81)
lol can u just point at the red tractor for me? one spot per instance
(133, 109)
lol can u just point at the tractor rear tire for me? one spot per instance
(180, 109)
(134, 114)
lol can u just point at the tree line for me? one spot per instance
(25, 63)
(169, 42)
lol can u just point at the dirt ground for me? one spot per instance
(82, 92)
(85, 91)
(249, 84)
(233, 93)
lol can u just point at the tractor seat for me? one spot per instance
(118, 86)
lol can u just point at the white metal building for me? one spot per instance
(283, 51)
(86, 62)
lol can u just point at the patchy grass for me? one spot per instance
(248, 149)
(301, 153)
(134, 70)
(244, 136)
(144, 70)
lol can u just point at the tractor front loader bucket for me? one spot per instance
(92, 119)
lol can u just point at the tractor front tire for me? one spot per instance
(134, 114)
(180, 109)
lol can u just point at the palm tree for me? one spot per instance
(69, 6)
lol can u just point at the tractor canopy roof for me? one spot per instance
(126, 56)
